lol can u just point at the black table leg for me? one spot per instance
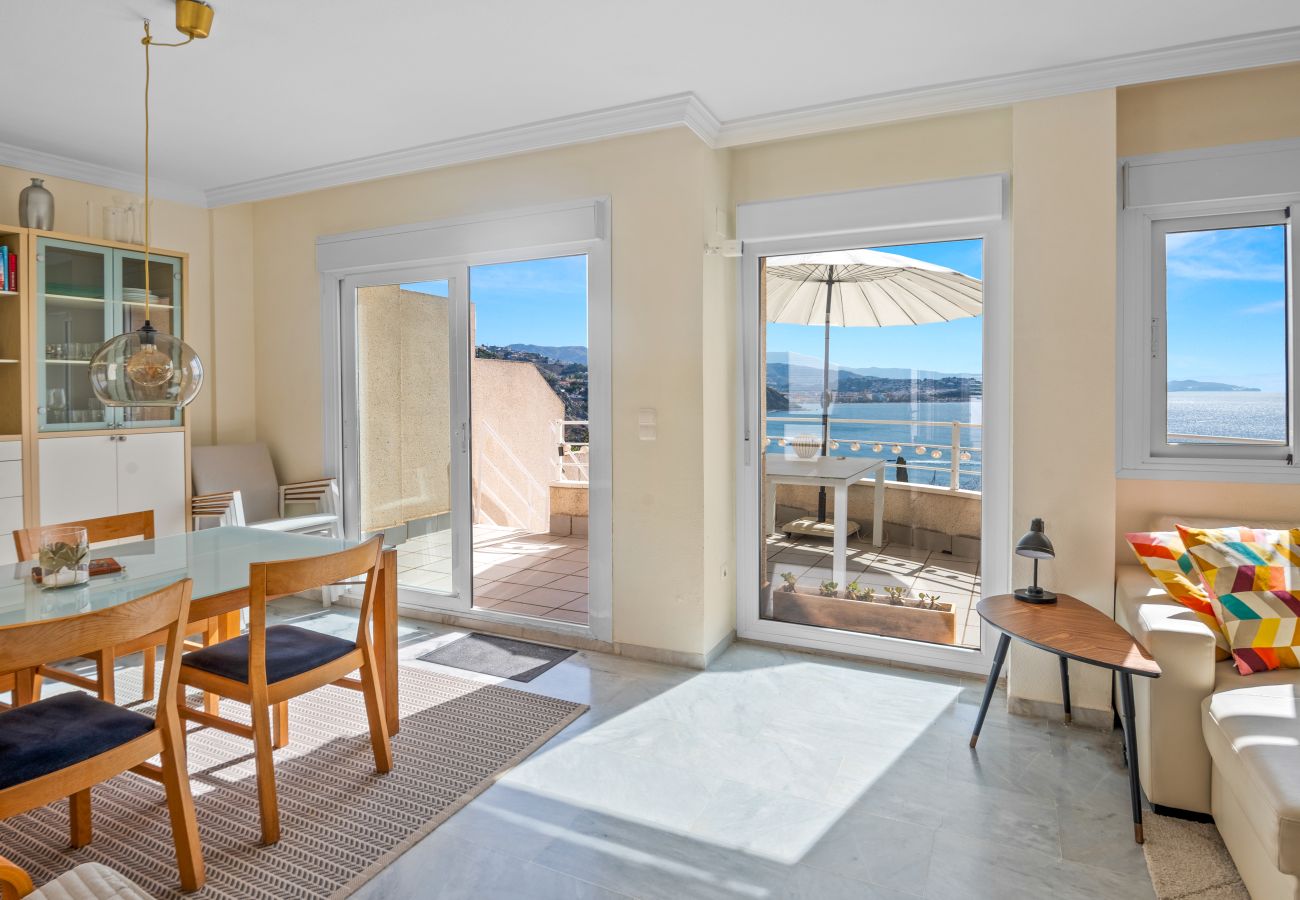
(1065, 687)
(999, 657)
(1130, 749)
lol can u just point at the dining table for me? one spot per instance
(216, 560)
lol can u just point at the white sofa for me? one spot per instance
(1213, 741)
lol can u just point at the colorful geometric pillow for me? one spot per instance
(1253, 576)
(1165, 558)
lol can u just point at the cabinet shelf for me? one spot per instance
(67, 362)
(9, 362)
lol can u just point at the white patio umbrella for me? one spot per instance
(864, 289)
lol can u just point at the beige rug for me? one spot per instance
(1188, 861)
(340, 822)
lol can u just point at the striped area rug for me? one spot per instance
(341, 823)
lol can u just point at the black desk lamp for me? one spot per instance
(1035, 545)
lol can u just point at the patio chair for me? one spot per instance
(99, 531)
(269, 666)
(65, 745)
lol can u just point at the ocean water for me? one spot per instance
(1245, 414)
(919, 469)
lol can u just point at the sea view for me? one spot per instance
(1239, 414)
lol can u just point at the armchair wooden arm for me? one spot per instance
(14, 882)
(223, 508)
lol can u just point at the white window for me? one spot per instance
(1208, 323)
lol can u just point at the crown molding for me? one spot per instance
(1245, 52)
(687, 110)
(616, 121)
(51, 165)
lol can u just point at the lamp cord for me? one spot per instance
(148, 42)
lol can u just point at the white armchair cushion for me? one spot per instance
(299, 524)
(245, 468)
(90, 881)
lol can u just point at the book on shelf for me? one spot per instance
(8, 269)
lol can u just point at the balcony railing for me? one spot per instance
(573, 456)
(955, 454)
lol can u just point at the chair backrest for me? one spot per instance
(245, 468)
(28, 646)
(269, 580)
(106, 528)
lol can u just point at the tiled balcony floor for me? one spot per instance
(541, 575)
(955, 580)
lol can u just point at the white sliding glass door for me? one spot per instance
(405, 416)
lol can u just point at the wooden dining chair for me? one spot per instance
(267, 667)
(98, 531)
(64, 745)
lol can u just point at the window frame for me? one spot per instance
(1241, 186)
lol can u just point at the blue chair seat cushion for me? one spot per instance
(60, 731)
(290, 651)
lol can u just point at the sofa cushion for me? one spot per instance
(1165, 558)
(1253, 735)
(1253, 576)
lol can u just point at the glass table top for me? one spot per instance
(217, 559)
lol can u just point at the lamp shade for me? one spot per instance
(1035, 544)
(146, 368)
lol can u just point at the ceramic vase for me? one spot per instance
(36, 206)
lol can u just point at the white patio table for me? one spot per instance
(833, 472)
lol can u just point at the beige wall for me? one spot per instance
(658, 184)
(514, 444)
(1063, 352)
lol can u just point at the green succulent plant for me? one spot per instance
(896, 595)
(789, 579)
(830, 588)
(928, 601)
(854, 590)
(62, 555)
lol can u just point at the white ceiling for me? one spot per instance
(289, 85)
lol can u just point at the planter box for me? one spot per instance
(935, 626)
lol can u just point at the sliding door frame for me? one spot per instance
(931, 212)
(569, 228)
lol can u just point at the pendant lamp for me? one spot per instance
(148, 367)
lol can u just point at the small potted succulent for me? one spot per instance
(853, 590)
(829, 589)
(896, 595)
(789, 579)
(62, 557)
(928, 601)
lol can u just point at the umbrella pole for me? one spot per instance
(826, 390)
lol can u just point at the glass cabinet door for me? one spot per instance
(164, 315)
(74, 302)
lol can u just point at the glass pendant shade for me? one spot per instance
(146, 368)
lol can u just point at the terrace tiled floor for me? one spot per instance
(540, 575)
(955, 580)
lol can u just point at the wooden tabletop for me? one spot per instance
(1070, 628)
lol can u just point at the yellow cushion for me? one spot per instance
(1165, 558)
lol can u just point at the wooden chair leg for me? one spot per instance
(79, 818)
(378, 720)
(280, 725)
(262, 752)
(180, 807)
(105, 660)
(150, 664)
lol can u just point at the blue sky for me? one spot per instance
(1226, 306)
(538, 301)
(942, 347)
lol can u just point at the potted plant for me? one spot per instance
(896, 595)
(853, 590)
(830, 589)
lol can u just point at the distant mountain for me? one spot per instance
(1176, 387)
(559, 354)
(798, 360)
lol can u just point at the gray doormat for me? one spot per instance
(502, 657)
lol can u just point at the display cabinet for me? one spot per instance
(87, 293)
